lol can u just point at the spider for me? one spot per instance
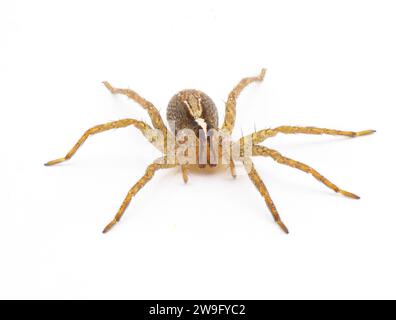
(195, 111)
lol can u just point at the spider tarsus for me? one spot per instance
(109, 226)
(53, 162)
(282, 226)
(233, 174)
(349, 194)
(262, 74)
(108, 86)
(365, 132)
(232, 168)
(184, 174)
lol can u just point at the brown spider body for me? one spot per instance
(194, 110)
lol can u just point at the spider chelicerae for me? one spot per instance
(195, 139)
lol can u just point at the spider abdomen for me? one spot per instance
(192, 109)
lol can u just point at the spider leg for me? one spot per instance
(143, 127)
(225, 157)
(153, 112)
(184, 173)
(275, 155)
(261, 135)
(230, 112)
(255, 178)
(232, 168)
(151, 169)
(228, 160)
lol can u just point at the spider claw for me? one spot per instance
(262, 74)
(185, 177)
(365, 133)
(109, 226)
(349, 194)
(53, 162)
(282, 226)
(108, 86)
(233, 173)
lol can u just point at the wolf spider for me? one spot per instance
(195, 111)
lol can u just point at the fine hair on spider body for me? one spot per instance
(194, 139)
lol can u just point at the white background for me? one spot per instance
(330, 64)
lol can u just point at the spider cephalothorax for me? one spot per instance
(194, 111)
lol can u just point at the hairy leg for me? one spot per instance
(151, 169)
(230, 112)
(261, 135)
(184, 173)
(255, 178)
(264, 151)
(225, 155)
(154, 114)
(232, 168)
(143, 127)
